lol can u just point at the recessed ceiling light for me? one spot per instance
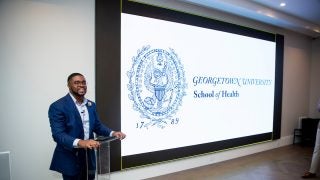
(270, 15)
(282, 4)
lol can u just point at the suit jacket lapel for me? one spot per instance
(91, 116)
(73, 109)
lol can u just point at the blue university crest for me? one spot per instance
(157, 85)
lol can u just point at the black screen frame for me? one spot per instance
(108, 64)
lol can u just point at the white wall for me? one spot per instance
(314, 78)
(296, 81)
(42, 42)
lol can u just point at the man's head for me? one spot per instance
(77, 85)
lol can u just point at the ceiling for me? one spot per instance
(302, 16)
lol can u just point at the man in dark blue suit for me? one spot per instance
(73, 120)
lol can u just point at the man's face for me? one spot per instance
(78, 86)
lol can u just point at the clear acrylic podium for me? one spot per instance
(102, 155)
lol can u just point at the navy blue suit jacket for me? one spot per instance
(66, 126)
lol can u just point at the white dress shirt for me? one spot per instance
(84, 114)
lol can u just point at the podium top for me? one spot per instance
(105, 138)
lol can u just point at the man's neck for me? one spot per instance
(79, 99)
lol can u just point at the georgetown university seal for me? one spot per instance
(157, 85)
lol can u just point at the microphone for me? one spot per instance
(82, 111)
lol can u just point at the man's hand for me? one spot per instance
(88, 144)
(119, 135)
